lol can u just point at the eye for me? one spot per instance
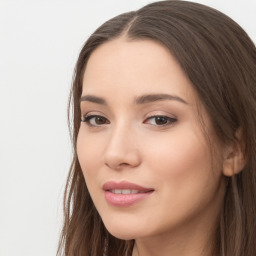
(95, 120)
(160, 120)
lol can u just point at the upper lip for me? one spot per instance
(111, 185)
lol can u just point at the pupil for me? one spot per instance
(100, 120)
(161, 120)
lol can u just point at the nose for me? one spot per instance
(122, 149)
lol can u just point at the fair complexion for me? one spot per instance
(140, 125)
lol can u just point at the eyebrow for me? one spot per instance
(157, 97)
(93, 99)
(148, 98)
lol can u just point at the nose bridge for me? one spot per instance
(122, 149)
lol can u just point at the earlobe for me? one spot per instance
(233, 164)
(234, 159)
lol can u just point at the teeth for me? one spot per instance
(124, 191)
(117, 191)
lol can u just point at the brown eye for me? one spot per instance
(160, 120)
(95, 120)
(99, 120)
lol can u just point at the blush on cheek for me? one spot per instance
(181, 165)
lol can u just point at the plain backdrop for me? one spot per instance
(39, 44)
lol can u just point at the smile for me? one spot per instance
(125, 191)
(124, 194)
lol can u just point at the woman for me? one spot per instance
(164, 138)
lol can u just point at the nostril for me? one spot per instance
(116, 165)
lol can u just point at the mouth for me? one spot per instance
(124, 191)
(124, 194)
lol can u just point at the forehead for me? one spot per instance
(139, 66)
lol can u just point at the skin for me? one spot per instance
(170, 155)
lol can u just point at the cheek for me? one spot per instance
(87, 151)
(178, 152)
(89, 155)
(182, 163)
(185, 178)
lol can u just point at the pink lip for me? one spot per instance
(124, 200)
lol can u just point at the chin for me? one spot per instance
(122, 230)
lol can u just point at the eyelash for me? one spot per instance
(87, 119)
(168, 120)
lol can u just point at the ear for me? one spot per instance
(234, 158)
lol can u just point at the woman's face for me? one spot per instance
(145, 158)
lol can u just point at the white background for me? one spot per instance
(39, 43)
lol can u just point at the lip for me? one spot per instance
(123, 200)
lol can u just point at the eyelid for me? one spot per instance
(89, 116)
(160, 113)
(85, 114)
(169, 120)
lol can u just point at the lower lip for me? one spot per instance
(124, 200)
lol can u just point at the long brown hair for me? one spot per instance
(220, 60)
